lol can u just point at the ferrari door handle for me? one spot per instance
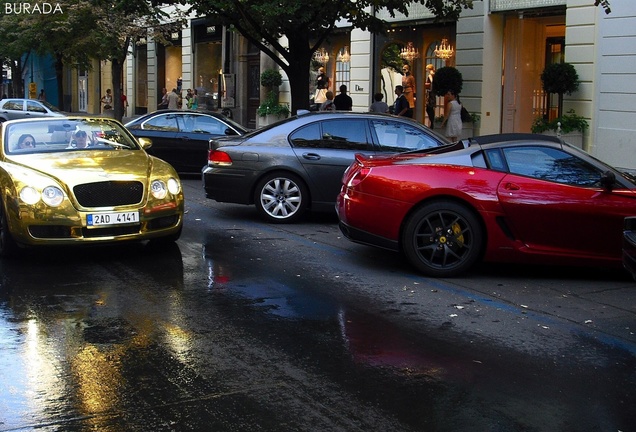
(311, 156)
(512, 186)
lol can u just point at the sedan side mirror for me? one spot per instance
(608, 180)
(230, 131)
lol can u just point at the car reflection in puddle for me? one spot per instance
(369, 340)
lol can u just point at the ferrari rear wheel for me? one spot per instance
(8, 246)
(442, 239)
(281, 197)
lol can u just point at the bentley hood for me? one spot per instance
(78, 167)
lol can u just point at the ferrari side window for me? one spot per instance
(496, 160)
(394, 136)
(551, 164)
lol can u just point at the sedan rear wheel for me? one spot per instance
(442, 239)
(281, 197)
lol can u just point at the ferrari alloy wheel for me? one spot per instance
(8, 246)
(281, 197)
(442, 239)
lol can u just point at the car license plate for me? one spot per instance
(115, 218)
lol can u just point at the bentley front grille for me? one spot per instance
(109, 193)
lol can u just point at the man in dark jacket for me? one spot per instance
(401, 105)
(343, 101)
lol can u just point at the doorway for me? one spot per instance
(526, 44)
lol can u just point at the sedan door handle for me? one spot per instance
(311, 156)
(185, 138)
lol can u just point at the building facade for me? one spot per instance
(500, 46)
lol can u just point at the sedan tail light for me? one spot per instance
(217, 157)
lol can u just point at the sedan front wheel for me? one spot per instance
(281, 197)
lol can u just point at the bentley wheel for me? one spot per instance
(281, 197)
(442, 239)
(8, 246)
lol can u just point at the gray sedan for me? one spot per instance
(297, 164)
(12, 109)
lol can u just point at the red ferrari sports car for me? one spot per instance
(514, 197)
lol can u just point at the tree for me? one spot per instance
(13, 49)
(87, 30)
(120, 23)
(306, 25)
(560, 78)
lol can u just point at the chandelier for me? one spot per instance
(409, 52)
(321, 56)
(444, 51)
(344, 56)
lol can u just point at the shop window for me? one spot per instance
(208, 64)
(343, 71)
(437, 63)
(141, 97)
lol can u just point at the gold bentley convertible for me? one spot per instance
(83, 180)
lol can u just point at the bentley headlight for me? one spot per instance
(29, 195)
(173, 186)
(53, 196)
(158, 189)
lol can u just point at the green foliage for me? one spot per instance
(271, 78)
(391, 57)
(447, 78)
(569, 122)
(474, 118)
(307, 25)
(560, 78)
(271, 106)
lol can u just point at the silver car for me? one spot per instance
(298, 163)
(12, 109)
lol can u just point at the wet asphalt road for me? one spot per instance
(245, 326)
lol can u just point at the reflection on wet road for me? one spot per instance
(243, 326)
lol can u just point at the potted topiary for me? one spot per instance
(449, 78)
(270, 110)
(561, 78)
(271, 78)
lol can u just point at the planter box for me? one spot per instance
(268, 119)
(574, 138)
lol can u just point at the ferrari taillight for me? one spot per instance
(358, 176)
(216, 157)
